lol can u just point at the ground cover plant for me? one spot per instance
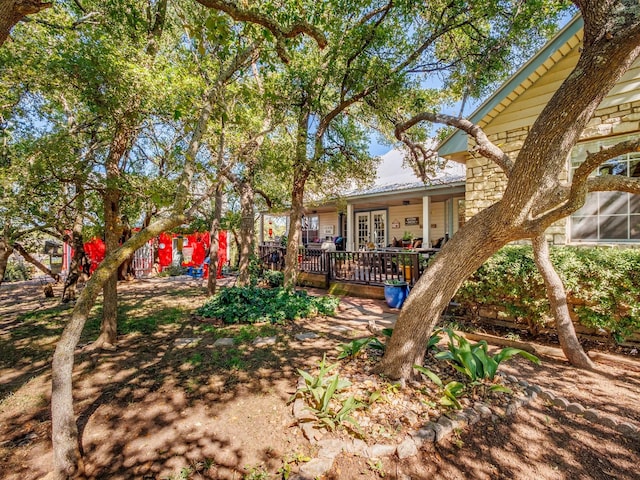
(254, 304)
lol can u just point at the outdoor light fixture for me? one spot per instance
(405, 202)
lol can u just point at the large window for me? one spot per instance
(607, 216)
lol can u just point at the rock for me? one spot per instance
(485, 411)
(442, 429)
(330, 448)
(523, 383)
(560, 402)
(380, 450)
(185, 342)
(306, 336)
(316, 467)
(300, 411)
(609, 422)
(531, 394)
(224, 342)
(535, 388)
(423, 436)
(473, 416)
(592, 415)
(406, 449)
(575, 408)
(261, 341)
(512, 379)
(627, 429)
(312, 434)
(356, 447)
(547, 396)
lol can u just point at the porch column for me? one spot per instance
(426, 221)
(261, 236)
(350, 232)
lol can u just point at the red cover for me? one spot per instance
(165, 250)
(96, 251)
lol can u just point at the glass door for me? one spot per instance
(371, 229)
(362, 230)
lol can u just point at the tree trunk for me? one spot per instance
(214, 250)
(291, 266)
(300, 175)
(112, 232)
(558, 302)
(66, 453)
(12, 11)
(80, 264)
(5, 252)
(247, 227)
(34, 261)
(469, 248)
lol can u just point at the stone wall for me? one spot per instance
(486, 182)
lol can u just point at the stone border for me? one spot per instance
(409, 444)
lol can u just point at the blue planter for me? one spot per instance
(395, 294)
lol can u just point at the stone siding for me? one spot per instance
(486, 182)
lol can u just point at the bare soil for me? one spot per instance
(164, 406)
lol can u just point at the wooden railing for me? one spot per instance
(372, 268)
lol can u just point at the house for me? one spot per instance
(397, 204)
(507, 116)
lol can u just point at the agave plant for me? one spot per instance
(474, 360)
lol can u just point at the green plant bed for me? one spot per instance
(602, 284)
(276, 305)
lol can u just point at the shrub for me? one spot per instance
(603, 286)
(273, 278)
(254, 304)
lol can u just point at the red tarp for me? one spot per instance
(96, 251)
(165, 250)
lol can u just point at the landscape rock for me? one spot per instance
(609, 422)
(380, 450)
(422, 436)
(316, 467)
(547, 396)
(575, 408)
(224, 342)
(330, 448)
(627, 429)
(407, 449)
(592, 415)
(561, 402)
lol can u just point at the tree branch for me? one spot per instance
(281, 33)
(614, 183)
(484, 146)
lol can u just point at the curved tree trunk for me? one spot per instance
(5, 252)
(80, 264)
(469, 248)
(66, 453)
(558, 302)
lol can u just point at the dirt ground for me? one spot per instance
(168, 404)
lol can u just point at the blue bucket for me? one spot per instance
(395, 294)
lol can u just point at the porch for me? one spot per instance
(363, 272)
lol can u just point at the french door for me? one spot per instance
(371, 229)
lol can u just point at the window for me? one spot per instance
(607, 216)
(310, 229)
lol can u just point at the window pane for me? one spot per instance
(613, 202)
(590, 206)
(584, 228)
(634, 203)
(614, 227)
(634, 168)
(634, 222)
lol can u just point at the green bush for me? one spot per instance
(254, 304)
(16, 272)
(273, 278)
(603, 286)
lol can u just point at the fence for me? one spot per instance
(370, 268)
